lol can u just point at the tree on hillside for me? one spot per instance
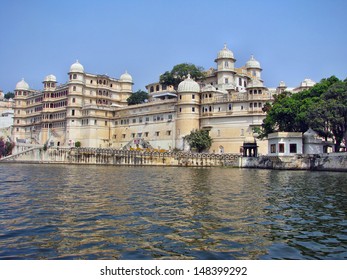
(322, 107)
(199, 140)
(137, 97)
(179, 72)
(9, 95)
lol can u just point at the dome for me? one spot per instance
(282, 84)
(252, 63)
(126, 77)
(250, 139)
(225, 53)
(22, 85)
(188, 85)
(77, 67)
(310, 133)
(255, 84)
(50, 78)
(307, 83)
(209, 87)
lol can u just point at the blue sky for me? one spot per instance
(292, 40)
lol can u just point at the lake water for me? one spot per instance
(112, 212)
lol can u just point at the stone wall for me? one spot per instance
(321, 162)
(67, 155)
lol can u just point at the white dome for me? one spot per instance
(255, 84)
(77, 67)
(209, 87)
(252, 63)
(225, 53)
(188, 85)
(310, 133)
(126, 77)
(307, 83)
(22, 85)
(282, 84)
(50, 78)
(250, 139)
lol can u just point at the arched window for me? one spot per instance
(157, 88)
(75, 76)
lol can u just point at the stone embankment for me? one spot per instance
(103, 156)
(320, 162)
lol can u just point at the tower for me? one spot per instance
(225, 69)
(74, 101)
(21, 92)
(188, 110)
(48, 105)
(253, 68)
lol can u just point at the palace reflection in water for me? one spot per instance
(105, 212)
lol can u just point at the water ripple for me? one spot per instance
(105, 212)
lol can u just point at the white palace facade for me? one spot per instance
(93, 110)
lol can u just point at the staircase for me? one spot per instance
(140, 142)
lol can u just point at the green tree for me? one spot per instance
(77, 144)
(137, 97)
(179, 72)
(9, 95)
(199, 140)
(323, 108)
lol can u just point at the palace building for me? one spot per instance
(93, 110)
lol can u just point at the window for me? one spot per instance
(226, 64)
(73, 100)
(230, 106)
(72, 112)
(180, 109)
(292, 148)
(281, 147)
(74, 88)
(193, 109)
(134, 120)
(147, 119)
(105, 123)
(273, 148)
(139, 134)
(133, 135)
(168, 132)
(170, 117)
(250, 105)
(151, 89)
(193, 96)
(146, 134)
(123, 136)
(240, 82)
(75, 76)
(91, 81)
(95, 122)
(241, 107)
(180, 96)
(157, 133)
(226, 81)
(157, 88)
